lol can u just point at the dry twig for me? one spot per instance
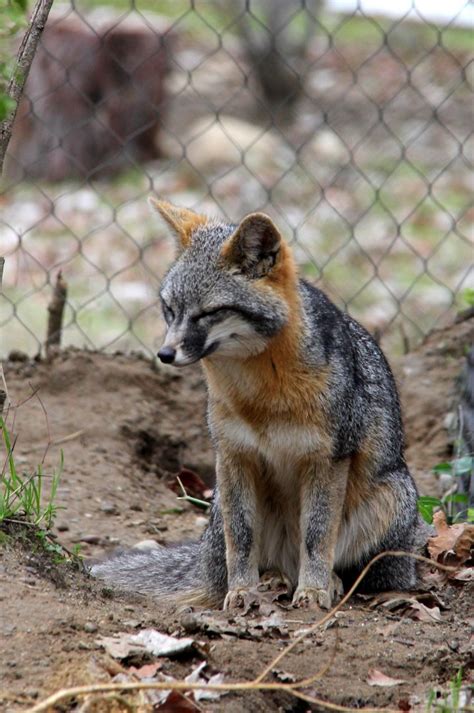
(50, 440)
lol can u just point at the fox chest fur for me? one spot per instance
(279, 429)
(276, 417)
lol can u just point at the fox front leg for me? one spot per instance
(322, 502)
(236, 482)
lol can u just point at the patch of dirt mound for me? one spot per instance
(126, 427)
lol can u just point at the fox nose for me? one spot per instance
(167, 355)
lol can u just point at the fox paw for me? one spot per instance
(312, 598)
(236, 598)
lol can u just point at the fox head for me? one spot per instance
(227, 293)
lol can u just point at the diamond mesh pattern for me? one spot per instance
(353, 131)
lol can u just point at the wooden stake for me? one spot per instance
(56, 311)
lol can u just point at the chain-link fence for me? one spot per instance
(350, 123)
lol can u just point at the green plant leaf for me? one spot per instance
(426, 505)
(468, 296)
(443, 468)
(456, 498)
(463, 465)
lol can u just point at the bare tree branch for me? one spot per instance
(25, 56)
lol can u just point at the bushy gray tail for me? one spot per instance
(158, 571)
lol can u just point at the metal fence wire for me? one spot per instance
(349, 123)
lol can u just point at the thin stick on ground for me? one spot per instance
(50, 440)
(185, 686)
(24, 60)
(258, 684)
(57, 441)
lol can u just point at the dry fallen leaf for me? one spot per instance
(149, 641)
(153, 697)
(417, 610)
(119, 646)
(176, 703)
(146, 671)
(424, 606)
(284, 676)
(202, 694)
(464, 575)
(377, 678)
(399, 600)
(240, 625)
(161, 644)
(192, 483)
(453, 544)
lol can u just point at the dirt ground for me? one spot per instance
(126, 426)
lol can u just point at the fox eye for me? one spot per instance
(168, 313)
(208, 313)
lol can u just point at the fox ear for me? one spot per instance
(182, 222)
(253, 247)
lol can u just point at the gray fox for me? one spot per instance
(304, 415)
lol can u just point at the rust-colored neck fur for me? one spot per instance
(274, 383)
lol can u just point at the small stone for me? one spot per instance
(89, 539)
(454, 645)
(136, 506)
(29, 581)
(108, 507)
(17, 355)
(90, 627)
(190, 623)
(146, 545)
(131, 623)
(62, 527)
(84, 646)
